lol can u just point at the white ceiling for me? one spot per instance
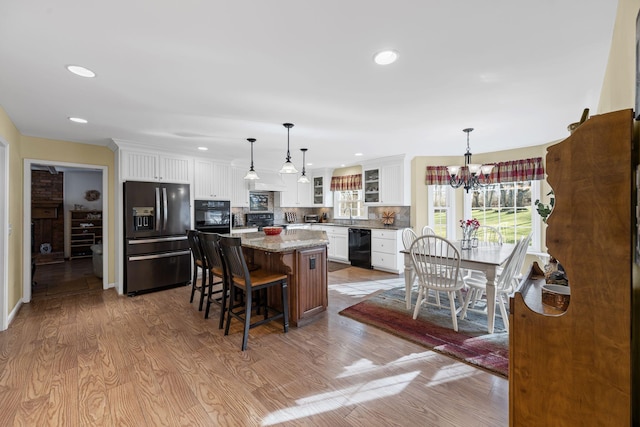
(184, 74)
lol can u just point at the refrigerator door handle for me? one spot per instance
(157, 224)
(164, 208)
(156, 256)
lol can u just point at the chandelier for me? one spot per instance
(304, 179)
(288, 166)
(251, 175)
(471, 176)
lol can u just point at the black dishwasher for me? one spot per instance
(360, 247)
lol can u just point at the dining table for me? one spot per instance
(486, 259)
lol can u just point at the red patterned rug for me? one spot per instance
(433, 329)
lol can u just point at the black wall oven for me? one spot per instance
(213, 216)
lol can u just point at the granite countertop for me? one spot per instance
(288, 240)
(374, 226)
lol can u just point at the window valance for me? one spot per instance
(510, 171)
(346, 182)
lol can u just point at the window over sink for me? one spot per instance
(349, 205)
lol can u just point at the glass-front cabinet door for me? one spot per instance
(372, 186)
(318, 190)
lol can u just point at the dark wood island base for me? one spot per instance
(302, 255)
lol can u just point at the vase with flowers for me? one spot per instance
(469, 227)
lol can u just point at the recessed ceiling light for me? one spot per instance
(342, 165)
(81, 71)
(385, 57)
(78, 120)
(202, 148)
(358, 154)
(309, 164)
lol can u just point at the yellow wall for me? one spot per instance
(619, 85)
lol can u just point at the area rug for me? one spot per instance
(433, 329)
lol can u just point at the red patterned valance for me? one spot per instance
(346, 182)
(510, 171)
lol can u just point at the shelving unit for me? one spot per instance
(85, 231)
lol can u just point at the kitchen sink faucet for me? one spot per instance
(350, 209)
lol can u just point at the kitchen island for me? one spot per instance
(302, 255)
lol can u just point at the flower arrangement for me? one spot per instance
(469, 226)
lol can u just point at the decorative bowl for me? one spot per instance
(272, 231)
(556, 296)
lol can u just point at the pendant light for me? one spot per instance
(251, 175)
(288, 167)
(303, 178)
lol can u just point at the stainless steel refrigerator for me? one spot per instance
(157, 254)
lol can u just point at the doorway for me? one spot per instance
(66, 228)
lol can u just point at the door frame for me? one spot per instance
(26, 233)
(5, 231)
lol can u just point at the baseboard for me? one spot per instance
(14, 313)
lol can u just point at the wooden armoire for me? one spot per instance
(580, 368)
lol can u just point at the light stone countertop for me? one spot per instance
(286, 241)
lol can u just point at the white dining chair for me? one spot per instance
(436, 263)
(505, 283)
(408, 237)
(428, 231)
(488, 235)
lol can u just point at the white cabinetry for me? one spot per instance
(244, 230)
(145, 166)
(321, 188)
(212, 180)
(296, 195)
(338, 249)
(239, 188)
(298, 226)
(385, 250)
(386, 182)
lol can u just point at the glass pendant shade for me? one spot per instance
(303, 178)
(288, 167)
(251, 175)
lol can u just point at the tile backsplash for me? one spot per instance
(402, 214)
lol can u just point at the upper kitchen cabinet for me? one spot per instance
(321, 188)
(386, 181)
(212, 180)
(239, 188)
(146, 166)
(296, 194)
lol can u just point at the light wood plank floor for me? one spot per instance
(99, 359)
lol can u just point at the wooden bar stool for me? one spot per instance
(199, 262)
(241, 279)
(211, 246)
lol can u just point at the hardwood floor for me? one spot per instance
(65, 278)
(100, 359)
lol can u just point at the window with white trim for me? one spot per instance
(441, 210)
(349, 204)
(509, 207)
